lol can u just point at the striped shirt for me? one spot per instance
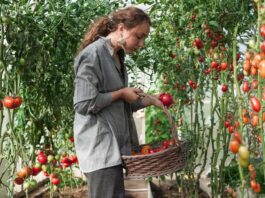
(103, 129)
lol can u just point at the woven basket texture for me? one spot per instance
(164, 162)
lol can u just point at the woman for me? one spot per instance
(104, 127)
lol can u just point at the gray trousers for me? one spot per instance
(106, 183)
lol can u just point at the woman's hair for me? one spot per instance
(129, 16)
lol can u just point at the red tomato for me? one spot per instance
(8, 102)
(227, 124)
(18, 180)
(55, 181)
(42, 159)
(214, 64)
(246, 86)
(223, 66)
(255, 104)
(254, 84)
(257, 189)
(73, 158)
(234, 146)
(231, 129)
(198, 43)
(237, 137)
(253, 184)
(224, 88)
(166, 99)
(35, 170)
(53, 175)
(12, 102)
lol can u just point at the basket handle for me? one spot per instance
(168, 114)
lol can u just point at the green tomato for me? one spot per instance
(26, 185)
(50, 158)
(252, 43)
(243, 152)
(22, 61)
(5, 20)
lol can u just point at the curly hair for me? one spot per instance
(130, 16)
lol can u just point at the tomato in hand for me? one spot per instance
(166, 99)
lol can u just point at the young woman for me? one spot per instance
(104, 127)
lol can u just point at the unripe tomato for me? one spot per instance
(26, 186)
(50, 158)
(243, 152)
(255, 104)
(234, 146)
(242, 162)
(166, 99)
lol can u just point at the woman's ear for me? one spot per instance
(121, 27)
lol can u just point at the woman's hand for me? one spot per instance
(152, 100)
(128, 94)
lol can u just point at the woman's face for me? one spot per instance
(135, 37)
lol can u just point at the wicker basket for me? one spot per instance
(164, 162)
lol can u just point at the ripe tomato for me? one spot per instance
(24, 172)
(255, 120)
(42, 158)
(231, 129)
(36, 170)
(257, 189)
(214, 64)
(243, 152)
(198, 43)
(223, 66)
(55, 181)
(234, 146)
(73, 158)
(227, 124)
(246, 86)
(255, 104)
(224, 88)
(166, 99)
(237, 137)
(12, 102)
(254, 84)
(253, 184)
(18, 180)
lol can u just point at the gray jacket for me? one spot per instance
(103, 130)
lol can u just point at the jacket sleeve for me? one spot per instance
(137, 105)
(87, 98)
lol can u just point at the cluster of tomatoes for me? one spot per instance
(149, 149)
(253, 183)
(11, 102)
(49, 164)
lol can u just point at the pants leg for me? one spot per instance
(106, 183)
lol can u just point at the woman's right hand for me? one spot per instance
(130, 94)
